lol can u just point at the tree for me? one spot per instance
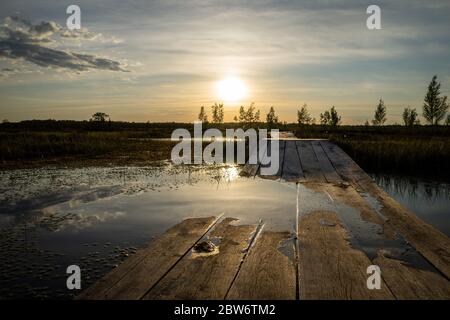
(202, 116)
(303, 116)
(447, 121)
(434, 107)
(99, 117)
(410, 117)
(271, 118)
(242, 114)
(331, 118)
(250, 115)
(5, 121)
(380, 114)
(217, 113)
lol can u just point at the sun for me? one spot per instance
(231, 89)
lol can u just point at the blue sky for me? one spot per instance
(160, 60)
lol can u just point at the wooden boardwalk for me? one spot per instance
(326, 258)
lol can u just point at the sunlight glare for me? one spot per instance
(230, 173)
(231, 89)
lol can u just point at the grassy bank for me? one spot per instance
(420, 150)
(30, 149)
(416, 157)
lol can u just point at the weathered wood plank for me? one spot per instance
(251, 170)
(266, 272)
(325, 164)
(292, 169)
(328, 267)
(282, 146)
(344, 165)
(430, 242)
(277, 175)
(207, 277)
(309, 162)
(265, 157)
(136, 275)
(410, 283)
(405, 281)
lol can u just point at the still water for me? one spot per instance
(430, 200)
(97, 217)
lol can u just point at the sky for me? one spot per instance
(162, 60)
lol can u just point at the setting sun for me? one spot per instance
(231, 89)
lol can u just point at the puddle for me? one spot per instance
(364, 235)
(287, 248)
(97, 217)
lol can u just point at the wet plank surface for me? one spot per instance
(210, 276)
(141, 271)
(345, 223)
(329, 267)
(269, 270)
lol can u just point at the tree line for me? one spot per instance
(434, 111)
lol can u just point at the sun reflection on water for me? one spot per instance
(230, 173)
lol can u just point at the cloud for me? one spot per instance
(20, 39)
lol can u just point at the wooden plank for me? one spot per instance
(410, 283)
(325, 164)
(250, 170)
(281, 152)
(292, 169)
(266, 155)
(309, 162)
(136, 275)
(281, 145)
(405, 281)
(430, 242)
(266, 272)
(208, 277)
(344, 165)
(328, 267)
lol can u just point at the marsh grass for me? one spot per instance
(418, 157)
(26, 148)
(418, 150)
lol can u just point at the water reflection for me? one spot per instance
(96, 217)
(430, 200)
(412, 187)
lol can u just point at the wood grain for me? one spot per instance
(309, 162)
(328, 267)
(131, 279)
(207, 277)
(292, 169)
(266, 272)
